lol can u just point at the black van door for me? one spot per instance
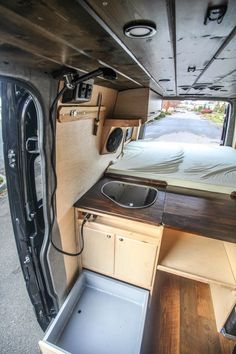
(24, 157)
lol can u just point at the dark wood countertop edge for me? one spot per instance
(100, 211)
(209, 227)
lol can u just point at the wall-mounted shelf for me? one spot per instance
(72, 113)
(138, 103)
(122, 123)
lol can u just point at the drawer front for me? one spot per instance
(135, 261)
(98, 251)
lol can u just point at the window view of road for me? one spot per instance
(197, 122)
(19, 330)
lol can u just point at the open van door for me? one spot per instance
(24, 156)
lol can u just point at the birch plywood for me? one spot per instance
(123, 122)
(231, 252)
(69, 243)
(223, 301)
(79, 164)
(132, 103)
(72, 113)
(137, 103)
(98, 251)
(78, 167)
(50, 349)
(134, 260)
(196, 257)
(122, 225)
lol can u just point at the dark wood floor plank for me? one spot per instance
(161, 334)
(169, 319)
(181, 319)
(189, 336)
(204, 306)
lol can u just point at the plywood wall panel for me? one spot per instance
(79, 165)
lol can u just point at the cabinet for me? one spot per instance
(98, 251)
(124, 255)
(134, 260)
(138, 103)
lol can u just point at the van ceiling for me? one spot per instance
(86, 34)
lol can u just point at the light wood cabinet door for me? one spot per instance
(98, 251)
(135, 260)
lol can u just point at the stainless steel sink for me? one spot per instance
(129, 195)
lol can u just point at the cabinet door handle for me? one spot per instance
(108, 236)
(121, 239)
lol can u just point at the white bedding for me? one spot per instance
(203, 167)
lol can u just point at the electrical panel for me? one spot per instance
(81, 93)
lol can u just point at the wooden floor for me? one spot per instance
(181, 319)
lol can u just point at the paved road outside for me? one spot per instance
(19, 330)
(188, 127)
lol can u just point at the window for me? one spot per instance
(192, 121)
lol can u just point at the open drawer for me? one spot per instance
(100, 316)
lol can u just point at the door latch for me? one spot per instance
(32, 145)
(11, 158)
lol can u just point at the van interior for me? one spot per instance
(127, 244)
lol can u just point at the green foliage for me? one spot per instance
(198, 108)
(215, 117)
(161, 115)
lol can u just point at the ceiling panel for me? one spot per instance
(66, 35)
(221, 73)
(196, 43)
(87, 34)
(156, 53)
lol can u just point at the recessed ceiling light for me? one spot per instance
(140, 29)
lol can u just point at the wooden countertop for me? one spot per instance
(95, 201)
(203, 213)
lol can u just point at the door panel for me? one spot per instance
(98, 251)
(25, 192)
(135, 260)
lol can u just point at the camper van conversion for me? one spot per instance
(127, 243)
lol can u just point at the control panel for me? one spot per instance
(81, 93)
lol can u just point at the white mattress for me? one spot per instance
(203, 167)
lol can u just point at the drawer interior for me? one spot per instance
(100, 315)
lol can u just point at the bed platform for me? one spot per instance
(192, 166)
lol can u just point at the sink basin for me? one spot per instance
(129, 195)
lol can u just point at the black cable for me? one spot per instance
(107, 73)
(87, 216)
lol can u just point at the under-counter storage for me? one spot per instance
(98, 253)
(134, 260)
(123, 254)
(100, 316)
(196, 257)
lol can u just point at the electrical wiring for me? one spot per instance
(70, 84)
(87, 216)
